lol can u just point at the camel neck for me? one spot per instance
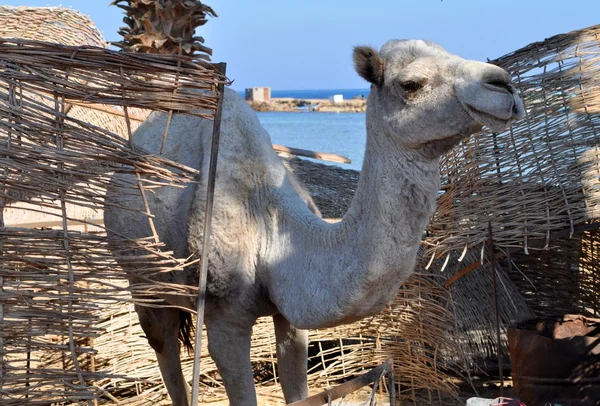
(329, 274)
(395, 195)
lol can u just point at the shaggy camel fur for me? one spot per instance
(271, 252)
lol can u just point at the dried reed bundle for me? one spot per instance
(53, 24)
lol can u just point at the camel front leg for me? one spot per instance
(229, 347)
(292, 359)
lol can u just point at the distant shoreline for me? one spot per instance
(289, 104)
(307, 94)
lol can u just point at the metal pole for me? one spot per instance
(210, 193)
(493, 269)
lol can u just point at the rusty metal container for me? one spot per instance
(556, 361)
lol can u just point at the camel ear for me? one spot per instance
(368, 64)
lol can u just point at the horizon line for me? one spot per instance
(300, 90)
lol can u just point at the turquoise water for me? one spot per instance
(338, 133)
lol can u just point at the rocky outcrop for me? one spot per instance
(319, 105)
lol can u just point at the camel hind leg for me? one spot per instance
(161, 326)
(292, 359)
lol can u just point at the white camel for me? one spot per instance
(271, 252)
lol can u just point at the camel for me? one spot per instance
(272, 254)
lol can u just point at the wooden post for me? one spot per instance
(392, 384)
(210, 194)
(2, 204)
(1, 338)
(344, 389)
(495, 293)
(28, 359)
(59, 113)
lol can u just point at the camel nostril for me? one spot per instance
(497, 83)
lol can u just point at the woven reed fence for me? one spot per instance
(55, 283)
(539, 177)
(66, 27)
(537, 184)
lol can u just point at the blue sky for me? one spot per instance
(308, 44)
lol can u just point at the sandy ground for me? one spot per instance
(354, 399)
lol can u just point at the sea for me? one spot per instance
(337, 133)
(315, 93)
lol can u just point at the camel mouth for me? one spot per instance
(493, 122)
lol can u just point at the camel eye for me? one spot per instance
(411, 86)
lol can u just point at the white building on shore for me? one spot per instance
(336, 98)
(258, 94)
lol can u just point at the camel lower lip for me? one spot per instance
(486, 119)
(483, 113)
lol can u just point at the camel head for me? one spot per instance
(427, 99)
